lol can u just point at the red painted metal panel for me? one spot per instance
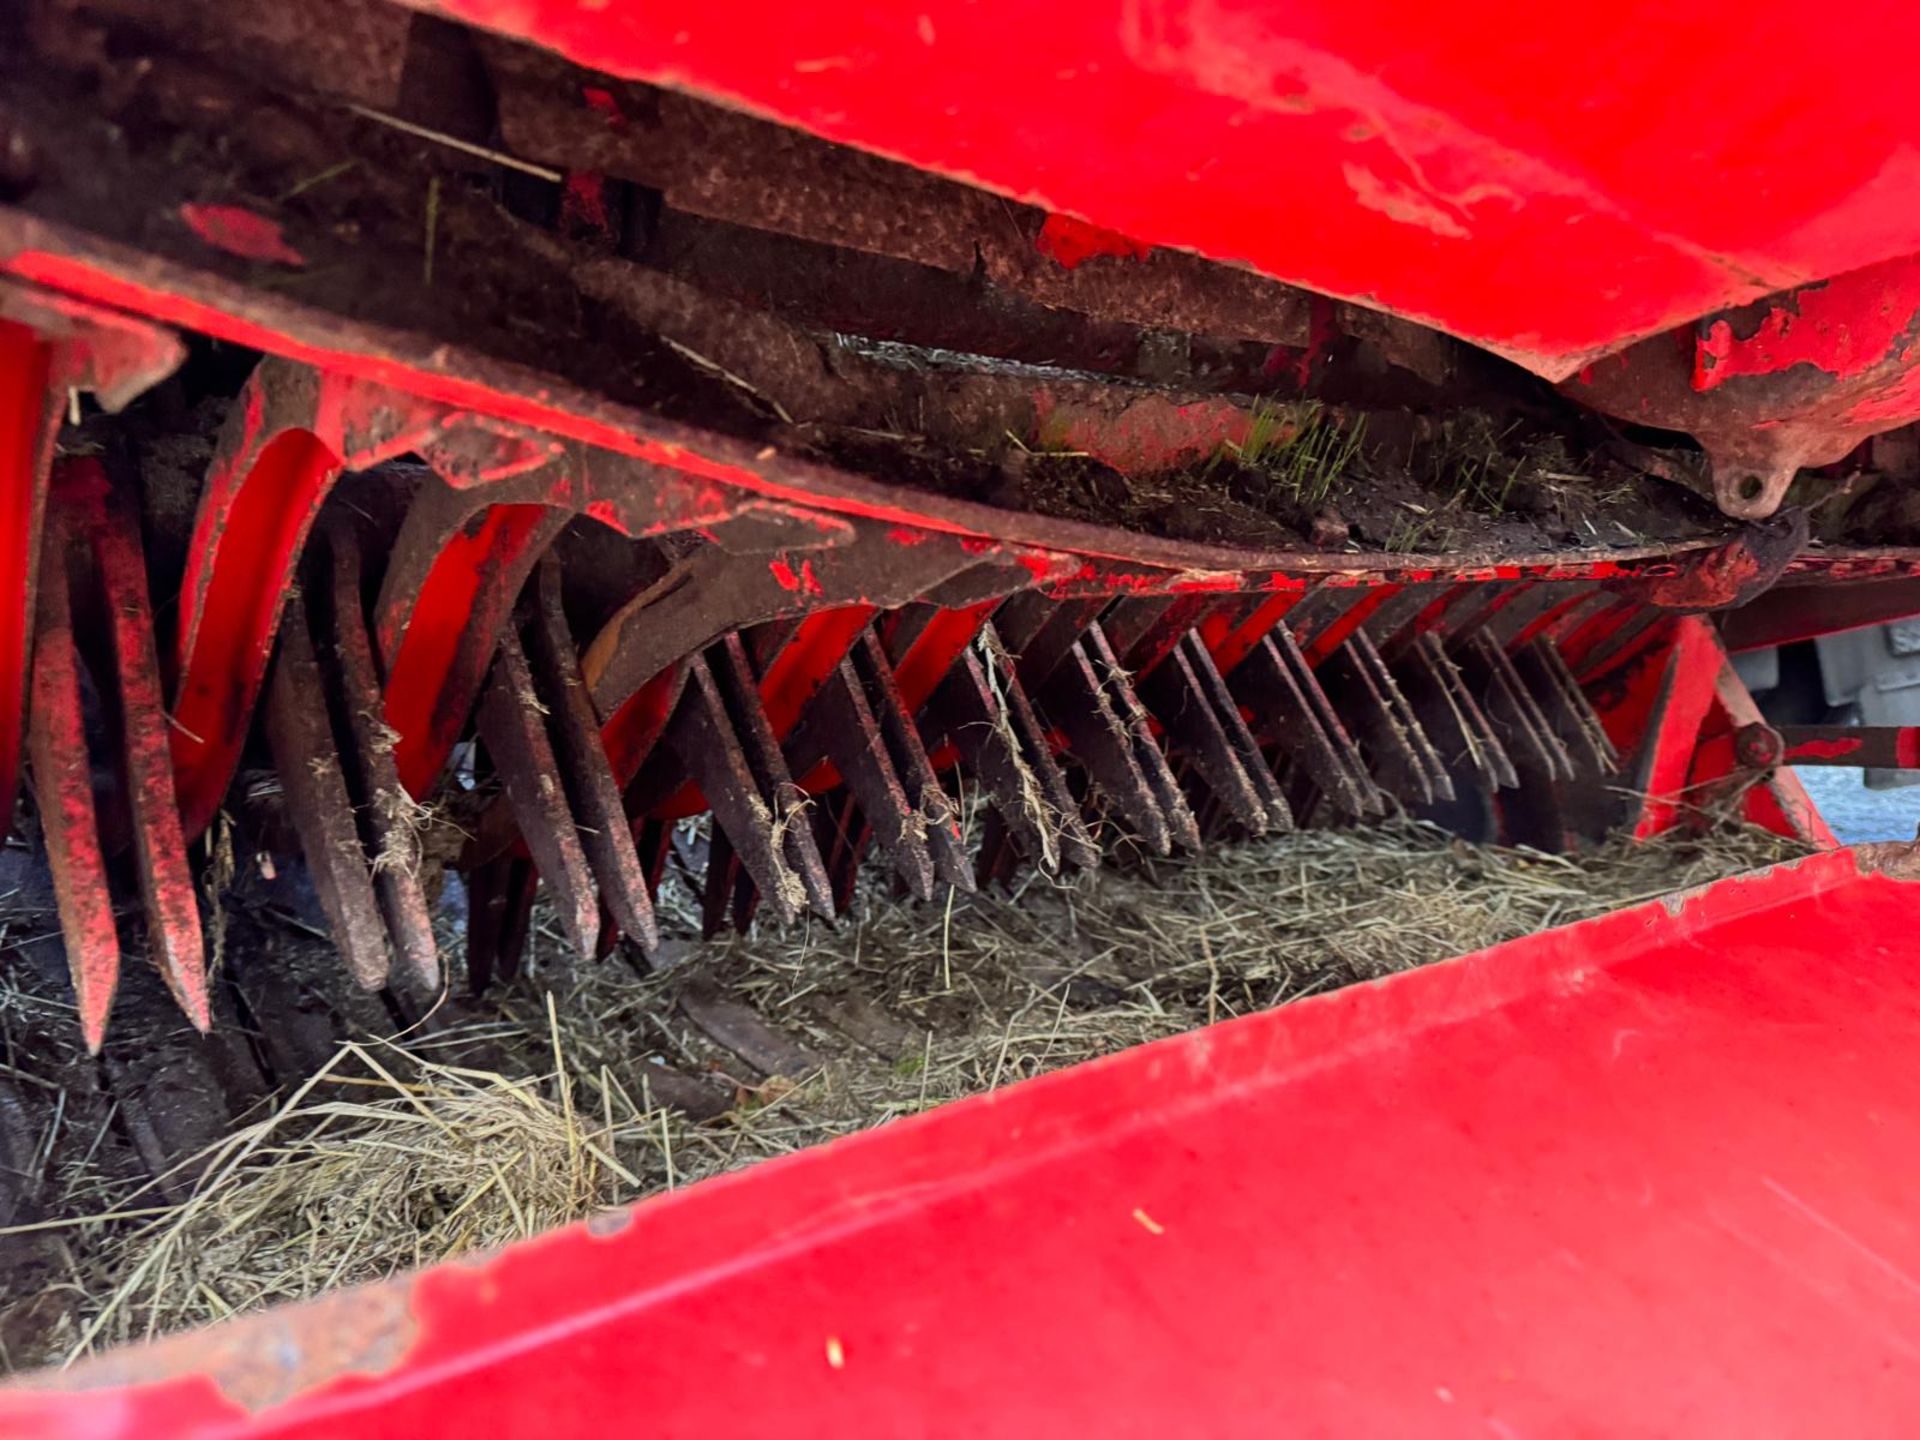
(26, 437)
(1551, 189)
(259, 506)
(1651, 1174)
(1800, 612)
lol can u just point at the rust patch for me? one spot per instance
(1895, 859)
(241, 233)
(270, 1359)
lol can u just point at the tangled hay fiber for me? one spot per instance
(410, 1150)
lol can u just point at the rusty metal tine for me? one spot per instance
(510, 725)
(1010, 697)
(1042, 646)
(1534, 600)
(486, 906)
(940, 817)
(1213, 688)
(609, 931)
(846, 723)
(1392, 625)
(653, 839)
(767, 639)
(1418, 740)
(1511, 710)
(1322, 604)
(1453, 718)
(516, 923)
(1019, 617)
(1174, 695)
(1290, 710)
(301, 738)
(994, 731)
(1341, 739)
(1498, 762)
(390, 814)
(1588, 718)
(701, 734)
(1099, 738)
(785, 799)
(1152, 760)
(906, 625)
(1622, 640)
(1146, 648)
(1562, 758)
(1566, 705)
(159, 846)
(1130, 620)
(63, 790)
(746, 895)
(1355, 692)
(717, 885)
(592, 792)
(1480, 609)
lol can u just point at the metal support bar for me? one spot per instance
(592, 793)
(510, 725)
(308, 763)
(1881, 747)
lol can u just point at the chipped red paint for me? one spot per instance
(601, 101)
(1071, 243)
(241, 232)
(1895, 747)
(1796, 380)
(1823, 749)
(583, 204)
(1845, 326)
(1206, 585)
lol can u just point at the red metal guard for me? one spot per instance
(1643, 1175)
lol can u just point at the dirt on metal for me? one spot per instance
(583, 1086)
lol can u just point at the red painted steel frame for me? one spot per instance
(1551, 188)
(1651, 1174)
(26, 435)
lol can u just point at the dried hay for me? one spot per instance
(391, 1158)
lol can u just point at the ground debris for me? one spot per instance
(405, 1152)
